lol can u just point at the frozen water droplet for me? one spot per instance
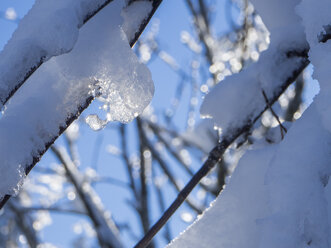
(95, 122)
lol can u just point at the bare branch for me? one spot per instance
(53, 209)
(160, 198)
(24, 224)
(177, 157)
(88, 197)
(167, 171)
(127, 163)
(143, 196)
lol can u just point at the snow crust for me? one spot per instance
(49, 29)
(243, 91)
(101, 63)
(133, 14)
(279, 195)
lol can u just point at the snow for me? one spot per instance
(279, 195)
(316, 17)
(230, 221)
(133, 14)
(318, 55)
(243, 91)
(49, 29)
(272, 69)
(100, 64)
(275, 197)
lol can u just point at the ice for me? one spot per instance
(95, 122)
(126, 88)
(101, 64)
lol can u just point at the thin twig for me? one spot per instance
(24, 225)
(203, 32)
(126, 160)
(87, 196)
(160, 198)
(110, 180)
(282, 128)
(168, 172)
(178, 157)
(143, 196)
(53, 209)
(207, 166)
(73, 151)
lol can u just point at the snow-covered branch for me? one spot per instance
(279, 195)
(40, 37)
(228, 137)
(277, 68)
(55, 98)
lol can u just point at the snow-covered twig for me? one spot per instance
(227, 139)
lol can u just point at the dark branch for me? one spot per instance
(282, 128)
